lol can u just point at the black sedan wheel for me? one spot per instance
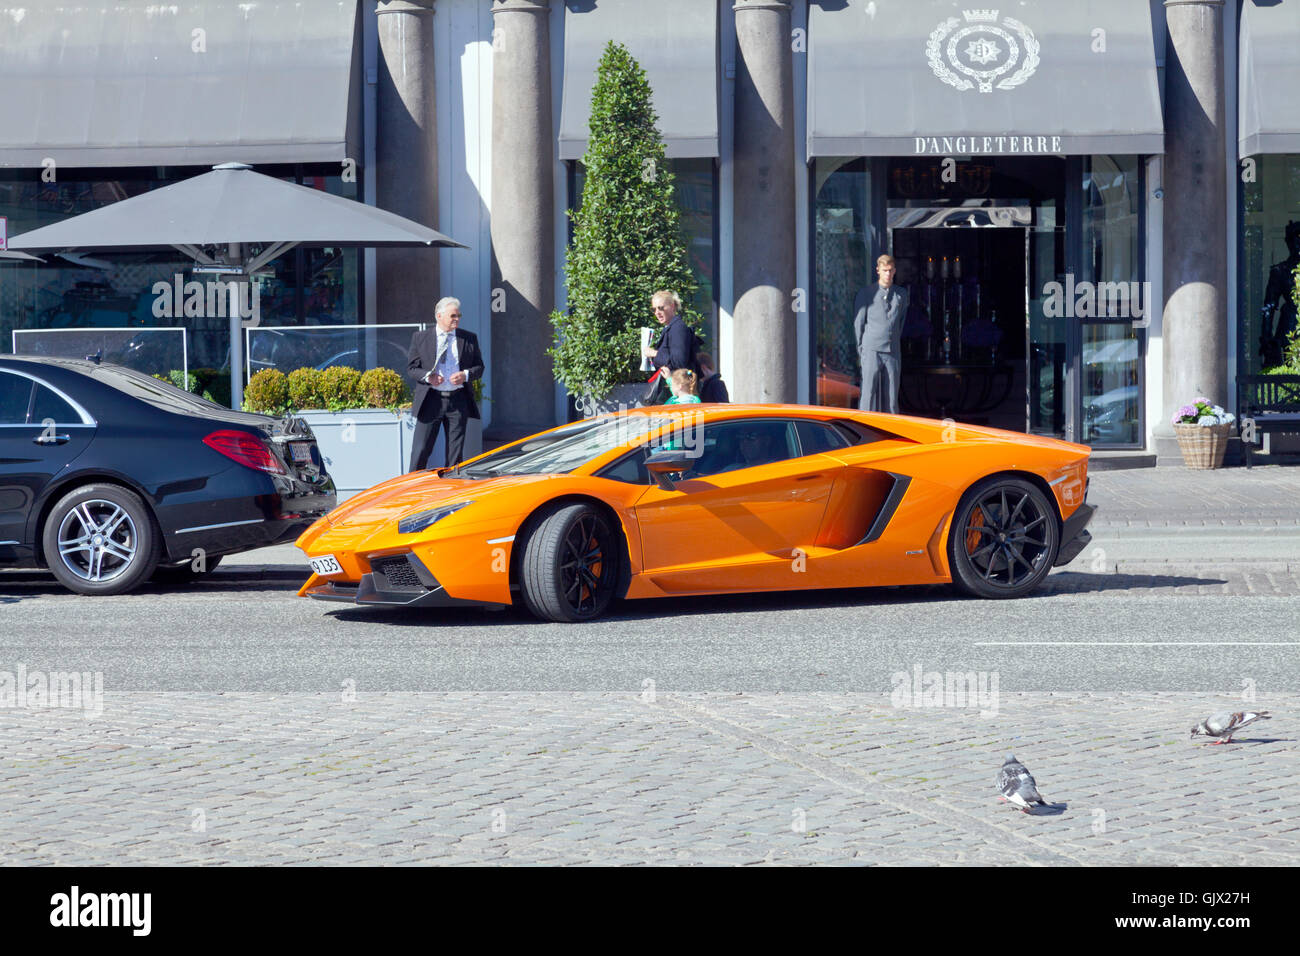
(100, 539)
(1004, 539)
(570, 565)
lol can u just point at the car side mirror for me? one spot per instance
(664, 463)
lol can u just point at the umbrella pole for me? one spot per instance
(234, 313)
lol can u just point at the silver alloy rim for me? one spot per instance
(97, 540)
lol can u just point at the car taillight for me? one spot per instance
(246, 449)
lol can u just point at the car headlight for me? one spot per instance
(422, 519)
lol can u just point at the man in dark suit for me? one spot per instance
(879, 311)
(441, 364)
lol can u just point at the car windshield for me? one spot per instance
(565, 449)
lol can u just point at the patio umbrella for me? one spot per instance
(215, 217)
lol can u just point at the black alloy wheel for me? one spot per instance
(571, 565)
(1004, 539)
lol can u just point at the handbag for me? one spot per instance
(651, 394)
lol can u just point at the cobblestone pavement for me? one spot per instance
(1181, 497)
(642, 778)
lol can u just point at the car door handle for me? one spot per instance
(808, 477)
(51, 439)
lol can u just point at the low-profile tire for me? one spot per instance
(1004, 538)
(181, 574)
(100, 539)
(571, 565)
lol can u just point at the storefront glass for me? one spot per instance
(984, 247)
(1271, 204)
(118, 290)
(1112, 346)
(695, 189)
(842, 256)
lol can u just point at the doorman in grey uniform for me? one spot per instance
(879, 311)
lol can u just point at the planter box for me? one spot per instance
(621, 397)
(365, 446)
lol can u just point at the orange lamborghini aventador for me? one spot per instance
(711, 499)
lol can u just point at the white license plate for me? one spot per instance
(325, 564)
(301, 451)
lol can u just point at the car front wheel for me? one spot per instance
(100, 539)
(1004, 538)
(570, 565)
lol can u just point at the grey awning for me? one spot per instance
(229, 204)
(1268, 118)
(197, 82)
(894, 78)
(676, 43)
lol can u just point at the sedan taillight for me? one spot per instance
(246, 449)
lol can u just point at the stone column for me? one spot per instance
(406, 157)
(523, 214)
(1195, 215)
(764, 350)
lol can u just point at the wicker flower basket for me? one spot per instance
(1202, 446)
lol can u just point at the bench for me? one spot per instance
(1269, 403)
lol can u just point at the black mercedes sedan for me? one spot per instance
(109, 477)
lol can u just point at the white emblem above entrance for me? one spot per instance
(983, 52)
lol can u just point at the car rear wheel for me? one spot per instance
(570, 565)
(1004, 538)
(100, 539)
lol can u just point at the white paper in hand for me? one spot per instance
(646, 335)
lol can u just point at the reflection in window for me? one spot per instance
(117, 290)
(1271, 203)
(696, 197)
(1111, 394)
(841, 249)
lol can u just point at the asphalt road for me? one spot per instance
(1099, 625)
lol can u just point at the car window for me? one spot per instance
(817, 437)
(50, 407)
(157, 393)
(732, 446)
(15, 396)
(630, 468)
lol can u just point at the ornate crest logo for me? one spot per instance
(984, 52)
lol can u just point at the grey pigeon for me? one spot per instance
(1224, 724)
(1017, 786)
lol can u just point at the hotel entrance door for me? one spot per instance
(972, 351)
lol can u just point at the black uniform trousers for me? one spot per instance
(439, 409)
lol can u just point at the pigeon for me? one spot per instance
(1224, 724)
(1016, 784)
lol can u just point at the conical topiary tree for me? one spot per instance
(627, 239)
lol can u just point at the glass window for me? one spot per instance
(50, 407)
(1270, 254)
(842, 253)
(697, 201)
(1111, 395)
(1111, 347)
(159, 394)
(15, 396)
(302, 287)
(817, 437)
(731, 446)
(629, 469)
